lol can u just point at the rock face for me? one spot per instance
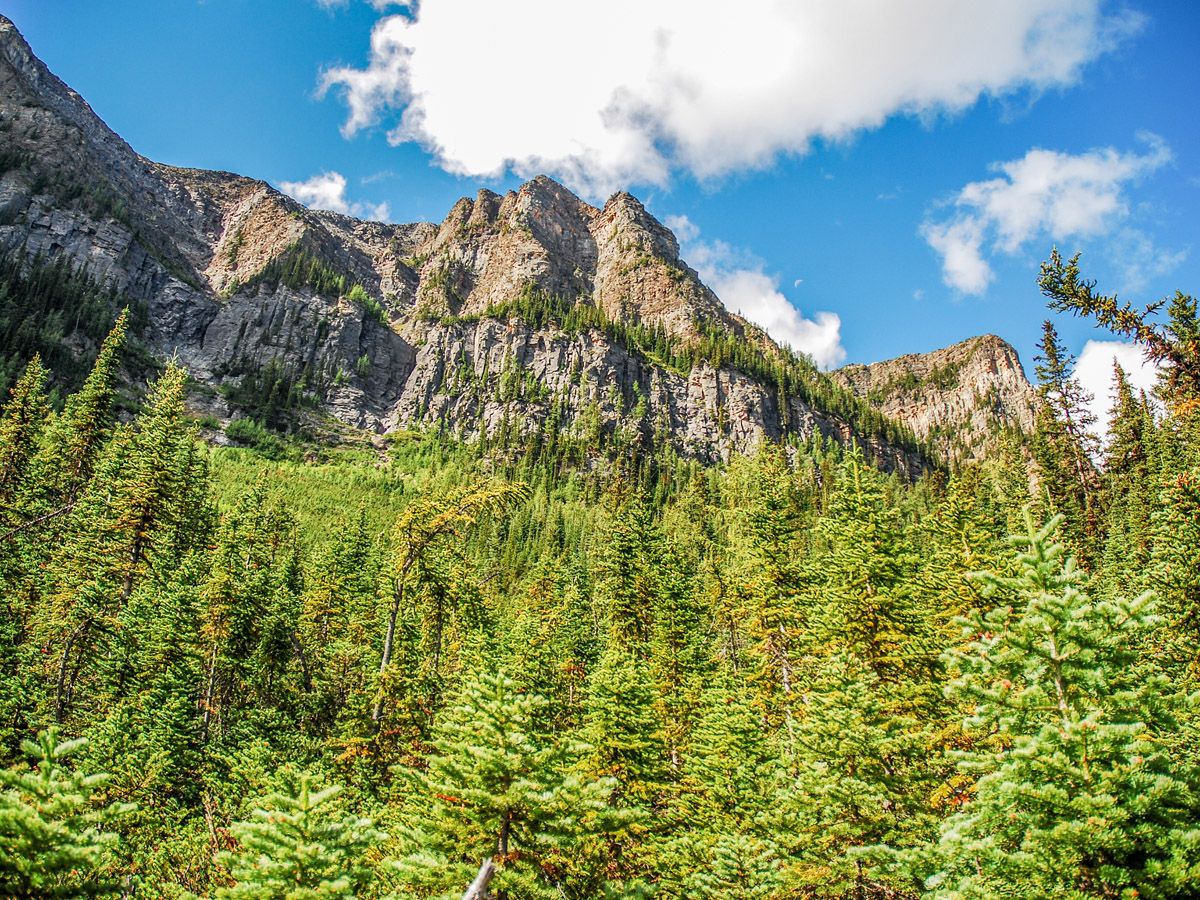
(960, 399)
(384, 326)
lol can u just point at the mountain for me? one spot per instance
(959, 399)
(518, 315)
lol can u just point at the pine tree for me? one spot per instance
(53, 841)
(338, 619)
(1175, 572)
(1064, 445)
(424, 530)
(24, 417)
(621, 727)
(1128, 489)
(247, 579)
(861, 780)
(741, 867)
(867, 603)
(73, 444)
(119, 523)
(300, 846)
(497, 788)
(1077, 793)
(1176, 346)
(769, 583)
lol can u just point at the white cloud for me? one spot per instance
(1043, 195)
(1141, 260)
(738, 279)
(607, 94)
(328, 191)
(960, 244)
(379, 5)
(1094, 370)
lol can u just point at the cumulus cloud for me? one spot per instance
(1043, 195)
(328, 191)
(607, 94)
(739, 280)
(1094, 370)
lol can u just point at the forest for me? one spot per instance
(334, 672)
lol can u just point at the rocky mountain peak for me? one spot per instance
(960, 398)
(515, 314)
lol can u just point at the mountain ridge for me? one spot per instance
(386, 326)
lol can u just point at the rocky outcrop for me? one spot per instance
(959, 399)
(383, 326)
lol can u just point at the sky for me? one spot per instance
(864, 178)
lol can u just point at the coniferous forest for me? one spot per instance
(305, 671)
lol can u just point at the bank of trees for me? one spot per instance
(794, 677)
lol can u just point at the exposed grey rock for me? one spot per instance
(195, 247)
(960, 397)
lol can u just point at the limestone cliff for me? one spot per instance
(383, 326)
(959, 399)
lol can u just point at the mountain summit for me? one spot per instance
(517, 314)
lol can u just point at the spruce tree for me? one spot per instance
(497, 788)
(1077, 792)
(54, 840)
(73, 444)
(301, 846)
(741, 868)
(1064, 444)
(1128, 485)
(21, 424)
(861, 780)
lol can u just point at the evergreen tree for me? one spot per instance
(861, 781)
(742, 867)
(868, 607)
(300, 846)
(1175, 573)
(1077, 793)
(73, 444)
(53, 837)
(1128, 489)
(1064, 445)
(497, 788)
(22, 422)
(120, 521)
(1176, 345)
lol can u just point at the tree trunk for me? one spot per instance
(479, 887)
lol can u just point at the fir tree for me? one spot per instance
(53, 837)
(741, 867)
(22, 422)
(300, 846)
(1077, 794)
(497, 788)
(73, 444)
(1063, 443)
(861, 781)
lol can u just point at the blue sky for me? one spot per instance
(878, 173)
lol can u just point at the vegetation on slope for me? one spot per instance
(786, 677)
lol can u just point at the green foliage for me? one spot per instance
(1076, 793)
(372, 307)
(297, 268)
(722, 681)
(53, 841)
(792, 375)
(273, 393)
(496, 786)
(1176, 345)
(49, 309)
(299, 847)
(249, 433)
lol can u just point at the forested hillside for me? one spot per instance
(299, 670)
